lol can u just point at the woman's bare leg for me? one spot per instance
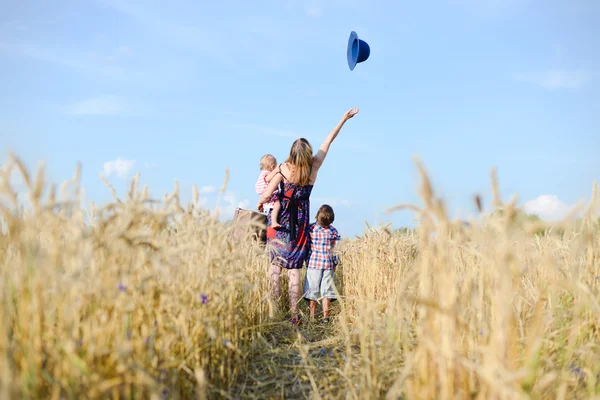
(294, 288)
(274, 276)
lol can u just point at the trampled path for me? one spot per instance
(292, 363)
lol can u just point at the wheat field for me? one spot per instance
(148, 299)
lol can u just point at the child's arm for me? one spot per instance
(336, 237)
(266, 195)
(334, 241)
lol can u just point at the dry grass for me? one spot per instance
(144, 299)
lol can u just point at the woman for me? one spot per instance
(289, 244)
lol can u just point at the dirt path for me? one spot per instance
(290, 363)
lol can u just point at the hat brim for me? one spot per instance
(352, 50)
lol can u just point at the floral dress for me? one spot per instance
(289, 245)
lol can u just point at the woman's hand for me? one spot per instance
(260, 207)
(350, 113)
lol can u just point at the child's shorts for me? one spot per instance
(319, 283)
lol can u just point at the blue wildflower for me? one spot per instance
(204, 298)
(577, 371)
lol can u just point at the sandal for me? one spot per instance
(295, 320)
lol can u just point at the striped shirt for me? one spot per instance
(261, 185)
(323, 240)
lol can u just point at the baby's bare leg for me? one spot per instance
(275, 215)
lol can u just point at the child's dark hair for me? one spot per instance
(325, 215)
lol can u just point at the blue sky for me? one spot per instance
(185, 90)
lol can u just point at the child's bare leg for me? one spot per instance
(313, 308)
(326, 303)
(275, 215)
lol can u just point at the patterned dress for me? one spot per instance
(289, 245)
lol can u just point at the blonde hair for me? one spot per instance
(301, 156)
(268, 162)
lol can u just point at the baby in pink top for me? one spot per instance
(267, 172)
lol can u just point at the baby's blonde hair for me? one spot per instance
(267, 162)
(301, 156)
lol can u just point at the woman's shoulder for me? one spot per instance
(284, 169)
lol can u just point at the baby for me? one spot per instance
(267, 172)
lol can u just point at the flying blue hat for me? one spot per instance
(358, 50)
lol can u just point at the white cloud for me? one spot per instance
(555, 79)
(120, 167)
(207, 189)
(105, 105)
(548, 207)
(231, 202)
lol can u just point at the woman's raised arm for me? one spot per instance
(324, 149)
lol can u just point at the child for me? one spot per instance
(267, 172)
(321, 262)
